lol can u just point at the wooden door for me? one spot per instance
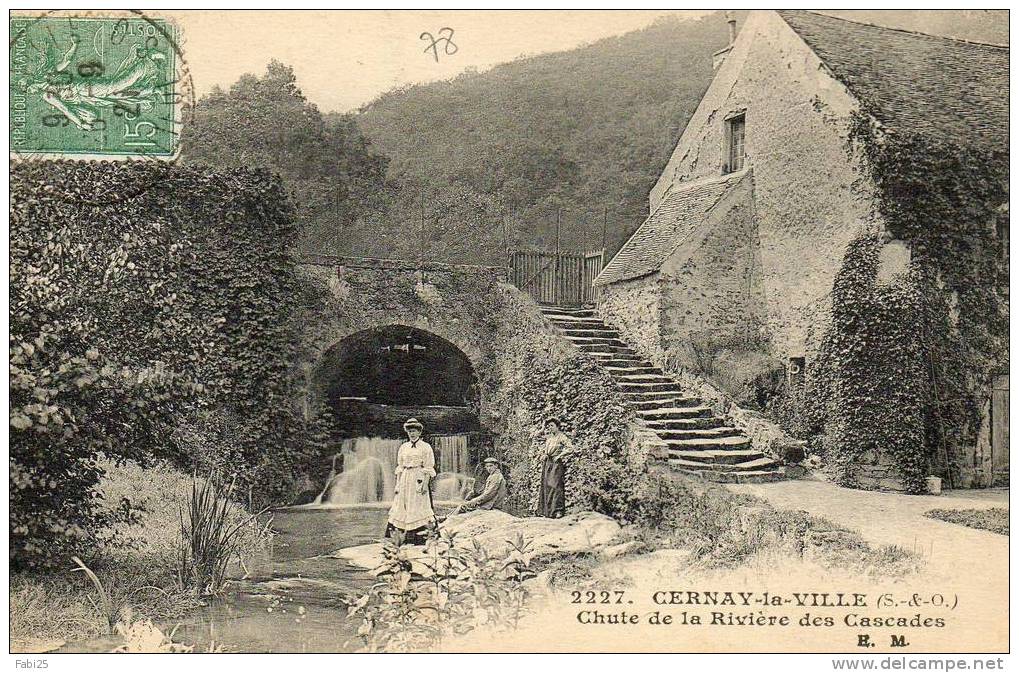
(999, 430)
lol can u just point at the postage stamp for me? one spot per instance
(94, 87)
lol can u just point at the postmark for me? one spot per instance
(95, 87)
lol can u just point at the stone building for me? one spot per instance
(752, 215)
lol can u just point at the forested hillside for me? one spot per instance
(493, 156)
(491, 159)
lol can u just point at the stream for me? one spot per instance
(292, 601)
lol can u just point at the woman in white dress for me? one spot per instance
(411, 518)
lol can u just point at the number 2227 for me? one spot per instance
(597, 597)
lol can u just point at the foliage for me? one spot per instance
(540, 376)
(874, 393)
(449, 587)
(994, 519)
(587, 131)
(208, 441)
(904, 367)
(209, 536)
(454, 223)
(739, 364)
(567, 569)
(327, 166)
(135, 563)
(724, 529)
(141, 293)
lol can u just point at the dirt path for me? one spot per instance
(973, 563)
(890, 518)
(970, 563)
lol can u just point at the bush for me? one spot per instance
(739, 365)
(994, 519)
(210, 528)
(540, 375)
(449, 587)
(128, 314)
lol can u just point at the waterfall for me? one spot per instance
(365, 474)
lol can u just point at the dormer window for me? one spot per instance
(735, 137)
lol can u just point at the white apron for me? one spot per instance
(412, 500)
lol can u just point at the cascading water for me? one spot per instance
(363, 472)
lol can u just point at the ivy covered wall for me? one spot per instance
(526, 370)
(919, 321)
(147, 301)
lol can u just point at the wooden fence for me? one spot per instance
(563, 279)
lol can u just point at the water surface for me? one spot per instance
(293, 601)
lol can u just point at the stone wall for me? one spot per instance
(455, 302)
(711, 286)
(806, 207)
(633, 307)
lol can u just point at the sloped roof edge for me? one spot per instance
(667, 227)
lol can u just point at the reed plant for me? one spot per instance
(210, 528)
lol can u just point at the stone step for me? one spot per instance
(569, 312)
(735, 477)
(687, 400)
(623, 372)
(649, 387)
(564, 318)
(647, 405)
(717, 457)
(667, 413)
(649, 395)
(577, 323)
(620, 360)
(735, 443)
(697, 433)
(590, 341)
(684, 424)
(763, 463)
(605, 348)
(643, 377)
(572, 332)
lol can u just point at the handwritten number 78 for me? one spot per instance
(445, 38)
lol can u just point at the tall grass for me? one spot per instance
(209, 528)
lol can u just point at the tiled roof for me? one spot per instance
(666, 228)
(950, 89)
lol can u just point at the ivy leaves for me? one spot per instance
(902, 368)
(131, 313)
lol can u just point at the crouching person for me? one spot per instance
(495, 492)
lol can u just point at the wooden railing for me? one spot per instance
(563, 279)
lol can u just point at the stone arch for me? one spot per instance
(453, 362)
(397, 364)
(453, 303)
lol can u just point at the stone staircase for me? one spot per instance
(699, 442)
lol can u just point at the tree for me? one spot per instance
(328, 167)
(133, 314)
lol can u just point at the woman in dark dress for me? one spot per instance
(552, 496)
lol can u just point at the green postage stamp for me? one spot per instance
(103, 88)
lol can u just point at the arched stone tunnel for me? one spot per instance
(379, 376)
(391, 340)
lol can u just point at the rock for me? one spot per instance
(794, 471)
(821, 545)
(366, 556)
(791, 451)
(493, 529)
(624, 549)
(297, 584)
(669, 558)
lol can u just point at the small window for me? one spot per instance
(735, 137)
